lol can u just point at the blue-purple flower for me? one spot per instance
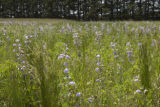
(97, 69)
(72, 83)
(78, 94)
(66, 70)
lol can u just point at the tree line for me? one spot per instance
(81, 9)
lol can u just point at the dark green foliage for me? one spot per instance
(81, 9)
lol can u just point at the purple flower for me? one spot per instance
(14, 44)
(72, 83)
(119, 68)
(112, 45)
(44, 46)
(68, 57)
(17, 40)
(41, 28)
(116, 56)
(98, 56)
(97, 69)
(66, 70)
(90, 99)
(65, 64)
(23, 62)
(114, 53)
(61, 56)
(14, 50)
(130, 56)
(19, 45)
(25, 41)
(136, 80)
(78, 94)
(98, 63)
(128, 44)
(97, 80)
(138, 91)
(26, 37)
(129, 52)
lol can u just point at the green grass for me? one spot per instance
(35, 52)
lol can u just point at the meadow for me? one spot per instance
(62, 63)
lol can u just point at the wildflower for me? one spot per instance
(65, 64)
(129, 52)
(23, 62)
(138, 91)
(97, 69)
(119, 68)
(98, 63)
(41, 28)
(72, 83)
(68, 57)
(98, 56)
(130, 55)
(136, 80)
(17, 40)
(65, 45)
(14, 44)
(19, 45)
(112, 45)
(133, 29)
(67, 48)
(26, 37)
(66, 70)
(98, 33)
(114, 53)
(90, 99)
(116, 56)
(61, 56)
(97, 80)
(44, 46)
(128, 44)
(14, 50)
(25, 42)
(75, 35)
(78, 94)
(19, 68)
(67, 77)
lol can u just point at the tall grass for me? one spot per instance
(55, 63)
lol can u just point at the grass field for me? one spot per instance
(61, 63)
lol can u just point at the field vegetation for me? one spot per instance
(61, 63)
